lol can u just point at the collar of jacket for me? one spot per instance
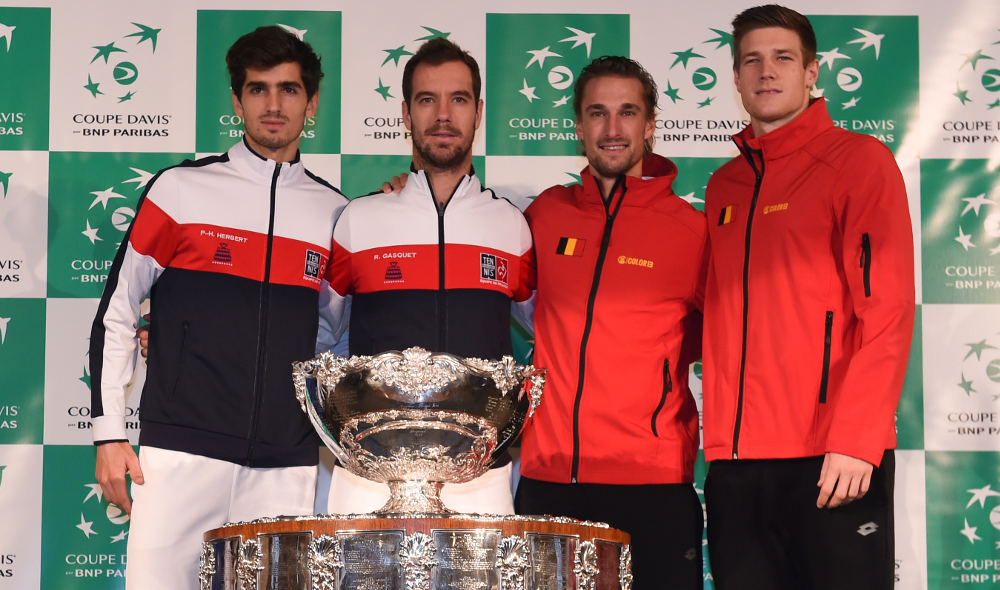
(418, 185)
(791, 137)
(261, 170)
(658, 174)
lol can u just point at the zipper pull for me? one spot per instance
(865, 246)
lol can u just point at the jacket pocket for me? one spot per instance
(866, 262)
(180, 361)
(668, 384)
(827, 340)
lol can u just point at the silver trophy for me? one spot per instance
(415, 419)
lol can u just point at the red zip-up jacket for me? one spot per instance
(810, 296)
(616, 298)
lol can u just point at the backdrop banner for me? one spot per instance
(97, 97)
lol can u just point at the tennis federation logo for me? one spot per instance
(115, 66)
(533, 61)
(977, 83)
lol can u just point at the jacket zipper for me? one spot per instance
(601, 255)
(866, 262)
(265, 302)
(668, 386)
(759, 174)
(442, 294)
(827, 340)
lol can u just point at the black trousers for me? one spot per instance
(766, 533)
(665, 523)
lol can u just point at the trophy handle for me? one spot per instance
(534, 385)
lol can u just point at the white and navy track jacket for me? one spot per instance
(233, 251)
(439, 279)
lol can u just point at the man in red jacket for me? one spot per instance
(619, 261)
(809, 310)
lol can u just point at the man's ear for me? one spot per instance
(479, 113)
(313, 105)
(237, 106)
(812, 73)
(406, 118)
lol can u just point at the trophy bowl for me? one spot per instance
(416, 420)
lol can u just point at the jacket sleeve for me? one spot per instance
(336, 289)
(874, 221)
(146, 250)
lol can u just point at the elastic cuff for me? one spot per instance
(108, 428)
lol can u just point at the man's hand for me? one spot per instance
(851, 478)
(396, 184)
(114, 459)
(142, 332)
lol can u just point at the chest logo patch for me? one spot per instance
(775, 208)
(570, 247)
(393, 274)
(223, 255)
(313, 261)
(727, 215)
(493, 268)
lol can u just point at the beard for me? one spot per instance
(448, 159)
(608, 168)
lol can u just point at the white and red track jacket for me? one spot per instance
(439, 278)
(232, 250)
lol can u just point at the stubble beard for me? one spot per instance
(444, 161)
(609, 169)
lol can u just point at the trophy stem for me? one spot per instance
(416, 495)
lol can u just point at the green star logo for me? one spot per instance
(684, 56)
(7, 34)
(400, 54)
(982, 363)
(672, 93)
(723, 40)
(434, 34)
(396, 54)
(92, 86)
(979, 86)
(966, 385)
(962, 95)
(121, 71)
(105, 51)
(692, 84)
(977, 348)
(974, 59)
(146, 34)
(383, 90)
(5, 181)
(532, 64)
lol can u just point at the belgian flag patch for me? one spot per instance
(727, 215)
(570, 247)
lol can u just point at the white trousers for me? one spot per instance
(487, 494)
(186, 495)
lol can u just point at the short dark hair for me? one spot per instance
(267, 47)
(773, 15)
(618, 67)
(435, 52)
